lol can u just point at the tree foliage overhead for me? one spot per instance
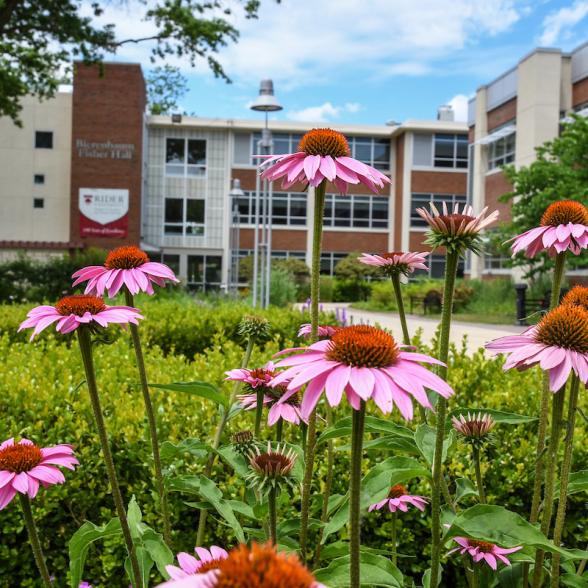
(165, 88)
(39, 38)
(560, 172)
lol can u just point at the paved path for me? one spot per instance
(477, 334)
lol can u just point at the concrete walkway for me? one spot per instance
(477, 334)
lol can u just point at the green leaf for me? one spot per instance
(578, 483)
(160, 553)
(573, 581)
(375, 571)
(425, 440)
(464, 488)
(375, 486)
(81, 541)
(192, 446)
(202, 389)
(145, 565)
(505, 528)
(500, 416)
(134, 518)
(387, 443)
(342, 428)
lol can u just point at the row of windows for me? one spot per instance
(204, 271)
(450, 150)
(185, 157)
(289, 208)
(370, 150)
(502, 151)
(419, 200)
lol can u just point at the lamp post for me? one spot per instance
(266, 102)
(234, 194)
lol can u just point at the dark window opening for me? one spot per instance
(43, 140)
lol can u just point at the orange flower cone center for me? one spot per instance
(208, 566)
(126, 258)
(483, 546)
(397, 491)
(262, 567)
(262, 374)
(79, 304)
(577, 296)
(565, 326)
(20, 458)
(363, 346)
(324, 142)
(564, 212)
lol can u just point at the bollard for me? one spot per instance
(521, 290)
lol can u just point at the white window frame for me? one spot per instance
(186, 167)
(202, 285)
(332, 200)
(289, 197)
(456, 138)
(185, 224)
(333, 257)
(495, 162)
(437, 199)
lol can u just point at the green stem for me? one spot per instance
(476, 576)
(394, 539)
(550, 470)
(34, 539)
(273, 517)
(448, 291)
(217, 439)
(258, 411)
(85, 342)
(358, 420)
(564, 478)
(546, 395)
(319, 208)
(400, 304)
(152, 424)
(478, 469)
(327, 489)
(279, 430)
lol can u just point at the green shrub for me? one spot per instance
(282, 287)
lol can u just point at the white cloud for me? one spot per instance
(557, 24)
(323, 113)
(307, 42)
(459, 103)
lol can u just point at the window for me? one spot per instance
(329, 261)
(204, 272)
(502, 151)
(39, 179)
(43, 140)
(496, 255)
(185, 157)
(38, 203)
(288, 254)
(436, 265)
(356, 211)
(423, 200)
(288, 208)
(450, 150)
(370, 150)
(172, 261)
(184, 216)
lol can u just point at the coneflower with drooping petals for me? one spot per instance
(366, 363)
(457, 231)
(324, 331)
(396, 262)
(124, 266)
(323, 154)
(399, 499)
(24, 466)
(80, 309)
(563, 227)
(577, 296)
(207, 560)
(484, 551)
(558, 344)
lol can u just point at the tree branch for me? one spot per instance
(139, 40)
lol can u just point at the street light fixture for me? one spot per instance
(266, 102)
(234, 194)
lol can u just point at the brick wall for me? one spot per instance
(580, 92)
(496, 186)
(355, 241)
(282, 239)
(502, 114)
(108, 105)
(439, 182)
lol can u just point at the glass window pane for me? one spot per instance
(213, 269)
(342, 213)
(361, 214)
(195, 211)
(196, 152)
(363, 151)
(173, 261)
(328, 216)
(174, 210)
(298, 208)
(326, 264)
(174, 151)
(174, 229)
(444, 148)
(196, 268)
(281, 145)
(380, 209)
(44, 139)
(280, 211)
(462, 148)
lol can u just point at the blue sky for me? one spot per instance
(368, 61)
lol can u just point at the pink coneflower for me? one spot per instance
(558, 344)
(324, 331)
(323, 154)
(208, 559)
(396, 262)
(252, 567)
(457, 231)
(124, 266)
(24, 465)
(564, 227)
(284, 404)
(80, 309)
(484, 550)
(399, 499)
(474, 426)
(364, 362)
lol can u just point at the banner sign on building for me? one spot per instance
(104, 212)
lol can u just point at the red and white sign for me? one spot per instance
(104, 212)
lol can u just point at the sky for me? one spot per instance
(364, 61)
